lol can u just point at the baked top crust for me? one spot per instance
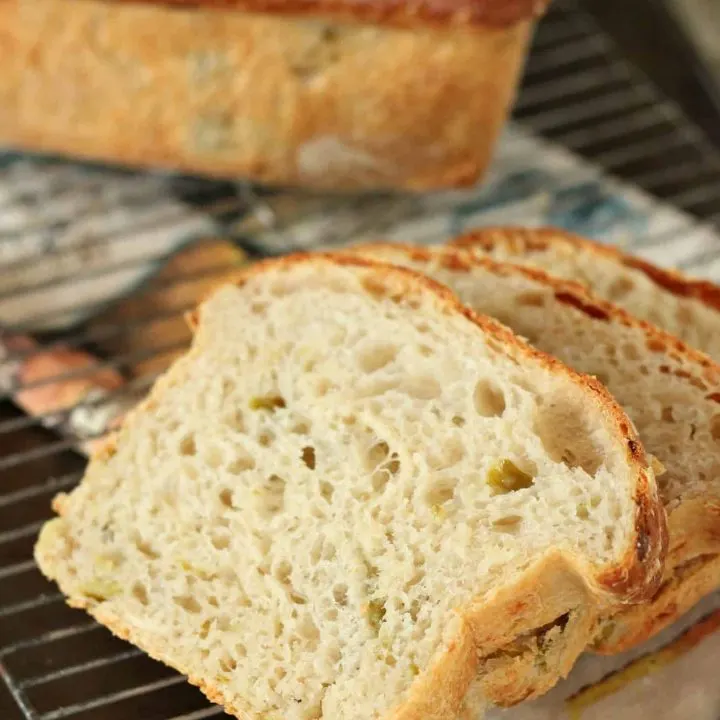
(457, 13)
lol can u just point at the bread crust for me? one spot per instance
(526, 240)
(694, 525)
(556, 584)
(228, 94)
(466, 13)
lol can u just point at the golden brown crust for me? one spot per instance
(397, 12)
(576, 294)
(525, 240)
(230, 94)
(556, 585)
(677, 595)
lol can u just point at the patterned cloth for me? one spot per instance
(74, 237)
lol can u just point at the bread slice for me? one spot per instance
(686, 307)
(350, 494)
(671, 392)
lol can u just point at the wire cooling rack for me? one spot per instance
(54, 662)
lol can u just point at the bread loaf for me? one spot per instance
(670, 391)
(340, 94)
(351, 495)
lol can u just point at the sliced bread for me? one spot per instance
(671, 392)
(351, 494)
(686, 307)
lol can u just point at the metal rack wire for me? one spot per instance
(56, 664)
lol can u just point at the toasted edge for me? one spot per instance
(453, 13)
(526, 240)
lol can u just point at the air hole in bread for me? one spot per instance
(458, 420)
(531, 299)
(226, 498)
(322, 387)
(282, 572)
(235, 420)
(340, 594)
(308, 457)
(266, 438)
(205, 630)
(241, 464)
(620, 287)
(425, 350)
(488, 399)
(422, 388)
(377, 455)
(220, 540)
(187, 445)
(227, 662)
(563, 431)
(326, 490)
(223, 623)
(375, 358)
(278, 628)
(300, 426)
(329, 551)
(630, 352)
(440, 494)
(582, 511)
(272, 495)
(508, 523)
(379, 480)
(307, 629)
(139, 592)
(258, 308)
(188, 603)
(316, 552)
(145, 548)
